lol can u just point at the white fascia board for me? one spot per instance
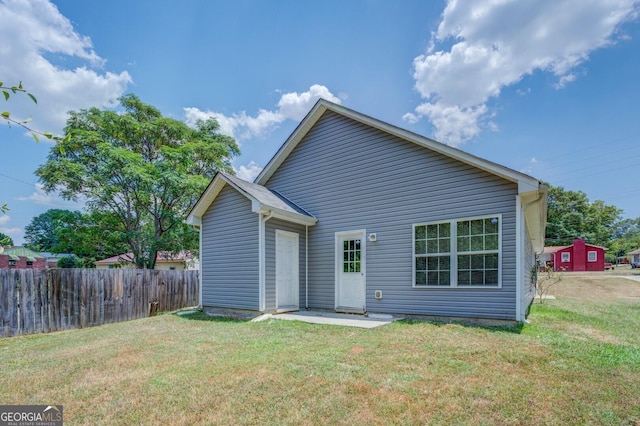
(284, 215)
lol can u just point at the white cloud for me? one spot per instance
(291, 106)
(497, 43)
(249, 172)
(12, 232)
(38, 31)
(39, 196)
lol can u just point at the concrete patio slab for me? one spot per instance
(332, 318)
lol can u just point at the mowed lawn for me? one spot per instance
(578, 362)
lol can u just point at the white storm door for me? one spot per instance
(287, 276)
(350, 271)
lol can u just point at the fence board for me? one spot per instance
(42, 301)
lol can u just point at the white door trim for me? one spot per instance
(295, 273)
(357, 234)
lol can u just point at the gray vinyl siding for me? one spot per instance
(270, 259)
(230, 276)
(351, 176)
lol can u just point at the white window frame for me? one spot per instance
(595, 256)
(562, 257)
(453, 253)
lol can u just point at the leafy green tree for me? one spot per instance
(44, 231)
(5, 240)
(626, 237)
(144, 169)
(68, 262)
(572, 215)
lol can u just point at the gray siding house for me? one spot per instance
(356, 215)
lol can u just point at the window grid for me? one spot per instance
(351, 255)
(473, 260)
(592, 256)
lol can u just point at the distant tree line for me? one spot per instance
(571, 215)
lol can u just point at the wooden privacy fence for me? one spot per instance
(41, 300)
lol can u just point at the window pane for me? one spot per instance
(463, 243)
(345, 266)
(444, 263)
(445, 278)
(352, 245)
(477, 261)
(477, 278)
(357, 266)
(445, 245)
(491, 261)
(420, 233)
(463, 228)
(464, 262)
(477, 243)
(477, 227)
(432, 231)
(345, 245)
(421, 278)
(432, 278)
(345, 255)
(463, 278)
(432, 246)
(421, 263)
(491, 277)
(445, 230)
(432, 263)
(421, 247)
(491, 242)
(491, 225)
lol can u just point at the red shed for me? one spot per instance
(579, 256)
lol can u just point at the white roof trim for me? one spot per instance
(525, 183)
(257, 206)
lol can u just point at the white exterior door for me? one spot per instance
(350, 271)
(287, 276)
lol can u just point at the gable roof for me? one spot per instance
(533, 193)
(323, 106)
(262, 200)
(635, 252)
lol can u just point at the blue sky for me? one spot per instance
(546, 87)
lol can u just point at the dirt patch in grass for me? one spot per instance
(596, 287)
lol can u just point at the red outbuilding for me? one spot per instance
(579, 256)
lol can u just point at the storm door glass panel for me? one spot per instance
(351, 255)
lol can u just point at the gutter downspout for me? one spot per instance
(519, 306)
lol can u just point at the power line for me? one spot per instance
(18, 180)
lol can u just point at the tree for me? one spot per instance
(68, 262)
(572, 215)
(5, 240)
(6, 115)
(44, 231)
(144, 169)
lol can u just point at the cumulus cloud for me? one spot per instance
(12, 232)
(249, 172)
(494, 44)
(291, 106)
(37, 31)
(39, 196)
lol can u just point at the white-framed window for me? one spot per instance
(566, 256)
(592, 256)
(458, 253)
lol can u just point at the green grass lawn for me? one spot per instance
(578, 362)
